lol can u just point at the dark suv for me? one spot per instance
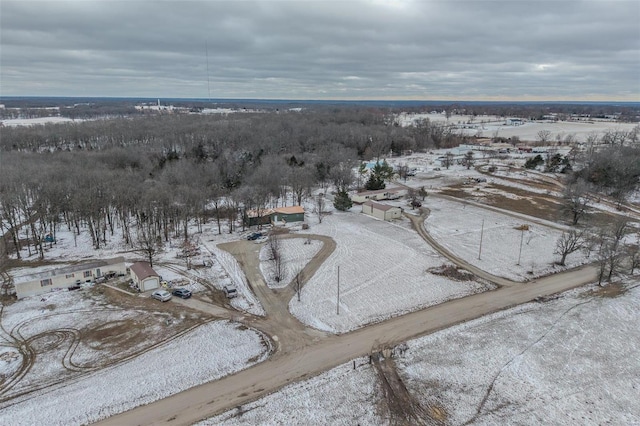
(182, 292)
(254, 236)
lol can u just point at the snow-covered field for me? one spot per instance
(569, 361)
(383, 273)
(490, 126)
(13, 122)
(459, 227)
(340, 396)
(208, 352)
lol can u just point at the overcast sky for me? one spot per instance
(375, 49)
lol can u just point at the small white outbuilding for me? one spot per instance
(381, 211)
(144, 276)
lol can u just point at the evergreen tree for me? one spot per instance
(375, 182)
(342, 201)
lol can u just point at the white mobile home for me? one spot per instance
(68, 276)
(380, 194)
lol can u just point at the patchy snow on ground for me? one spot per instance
(212, 266)
(383, 273)
(336, 397)
(459, 226)
(211, 351)
(569, 361)
(295, 254)
(230, 272)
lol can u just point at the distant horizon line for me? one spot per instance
(321, 101)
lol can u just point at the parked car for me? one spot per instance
(182, 292)
(161, 295)
(230, 291)
(254, 236)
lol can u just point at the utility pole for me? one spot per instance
(338, 299)
(521, 238)
(481, 233)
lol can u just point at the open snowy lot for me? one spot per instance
(340, 396)
(490, 126)
(383, 273)
(458, 226)
(568, 361)
(73, 382)
(295, 254)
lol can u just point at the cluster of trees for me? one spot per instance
(150, 176)
(605, 245)
(370, 133)
(379, 173)
(150, 196)
(614, 172)
(553, 163)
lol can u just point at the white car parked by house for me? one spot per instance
(161, 295)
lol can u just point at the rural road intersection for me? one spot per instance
(303, 352)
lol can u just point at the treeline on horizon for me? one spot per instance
(91, 108)
(157, 173)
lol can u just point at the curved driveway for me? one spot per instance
(314, 352)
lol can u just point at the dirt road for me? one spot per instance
(323, 353)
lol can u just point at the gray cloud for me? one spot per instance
(376, 49)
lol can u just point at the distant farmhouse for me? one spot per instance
(381, 211)
(276, 215)
(69, 276)
(380, 194)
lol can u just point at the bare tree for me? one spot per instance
(298, 282)
(617, 233)
(633, 257)
(468, 159)
(577, 200)
(569, 242)
(544, 136)
(447, 161)
(422, 192)
(275, 250)
(608, 249)
(148, 240)
(319, 207)
(403, 171)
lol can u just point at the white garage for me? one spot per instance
(144, 276)
(381, 211)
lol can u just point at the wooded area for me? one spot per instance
(164, 171)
